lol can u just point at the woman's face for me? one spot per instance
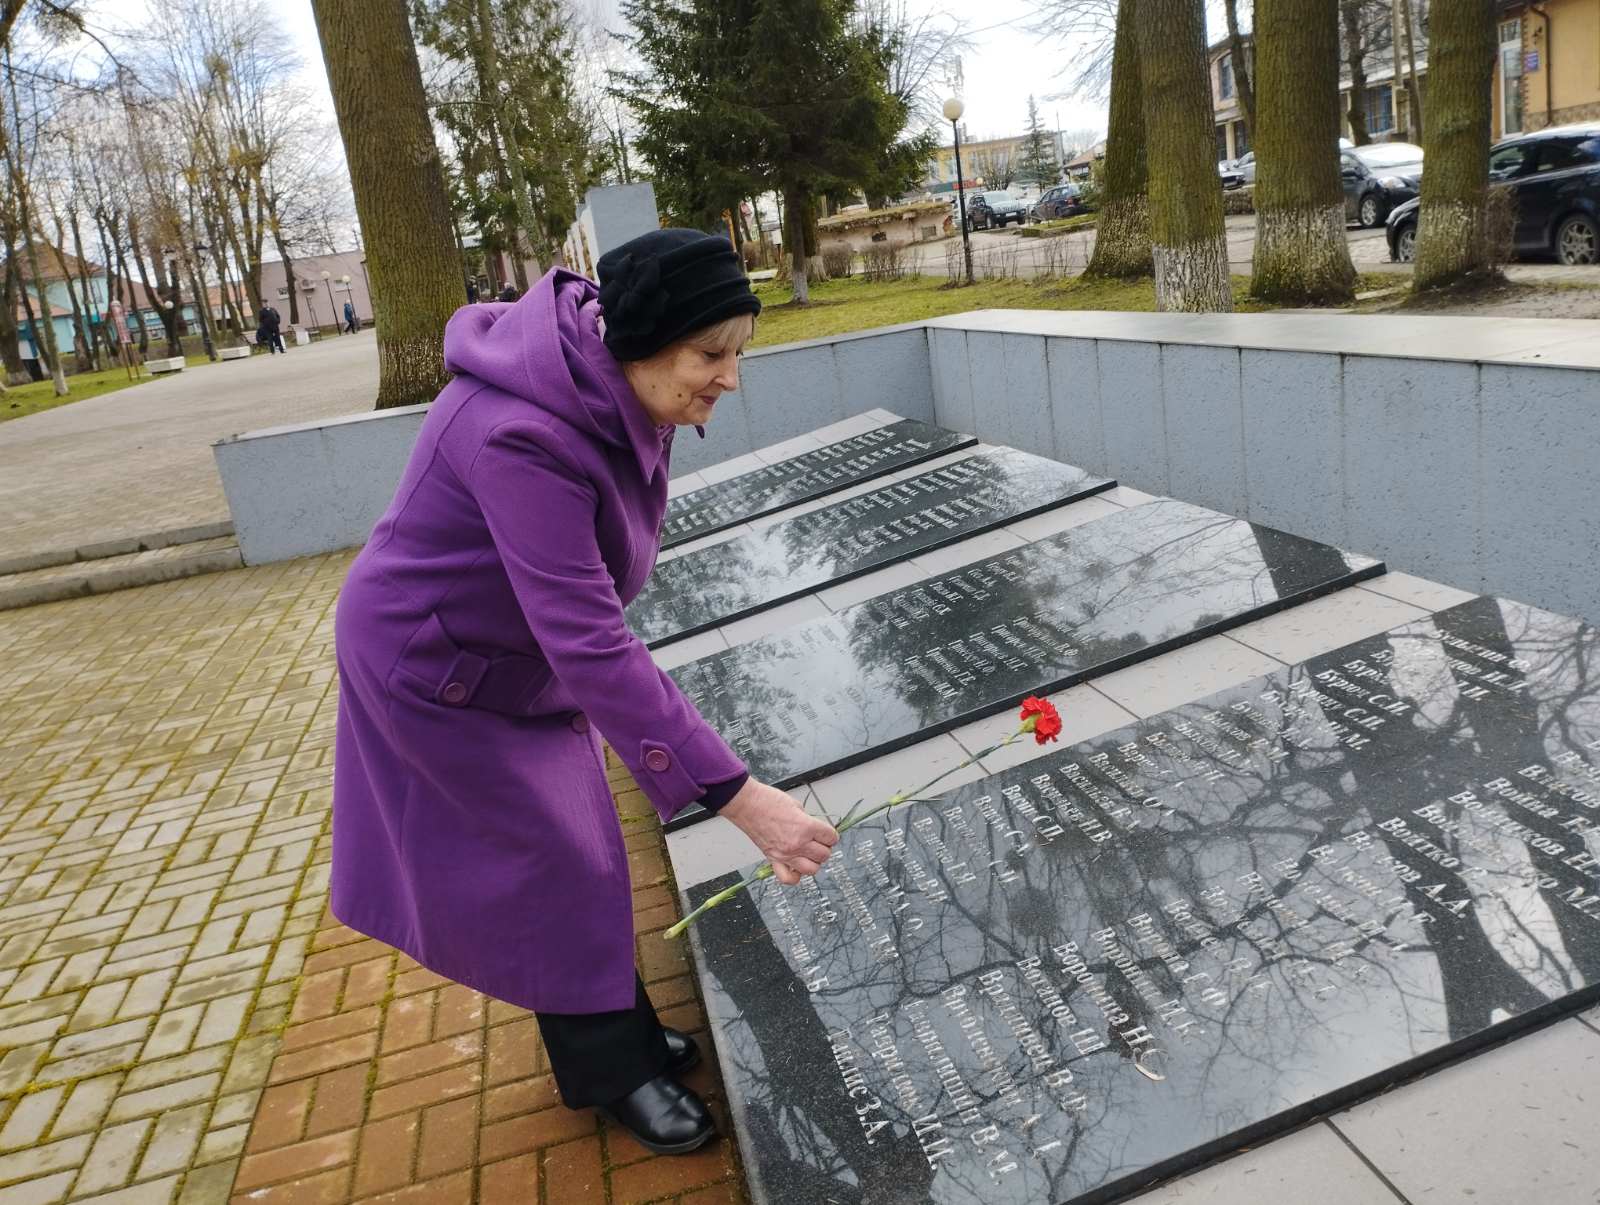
(681, 383)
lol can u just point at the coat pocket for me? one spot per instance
(451, 676)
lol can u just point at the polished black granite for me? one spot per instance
(1112, 964)
(905, 665)
(710, 586)
(814, 474)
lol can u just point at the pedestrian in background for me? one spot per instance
(350, 323)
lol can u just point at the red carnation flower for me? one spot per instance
(1039, 716)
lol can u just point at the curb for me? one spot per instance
(106, 580)
(124, 546)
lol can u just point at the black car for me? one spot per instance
(986, 209)
(1378, 177)
(1555, 178)
(1062, 201)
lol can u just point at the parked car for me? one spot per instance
(1230, 175)
(1245, 165)
(1554, 175)
(989, 209)
(1062, 201)
(1378, 177)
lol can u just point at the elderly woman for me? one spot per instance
(483, 652)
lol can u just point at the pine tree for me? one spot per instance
(399, 190)
(1189, 246)
(1301, 253)
(1038, 164)
(1122, 230)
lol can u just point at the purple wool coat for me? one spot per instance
(482, 652)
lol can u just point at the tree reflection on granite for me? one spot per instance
(1107, 965)
(810, 475)
(922, 660)
(846, 539)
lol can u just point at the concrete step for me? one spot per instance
(101, 575)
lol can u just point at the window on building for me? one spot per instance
(1222, 143)
(1511, 76)
(1224, 77)
(1241, 140)
(1380, 109)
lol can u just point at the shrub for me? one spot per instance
(838, 261)
(883, 261)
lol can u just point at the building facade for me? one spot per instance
(986, 159)
(1227, 113)
(1547, 71)
(323, 283)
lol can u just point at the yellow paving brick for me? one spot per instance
(28, 1120)
(86, 1105)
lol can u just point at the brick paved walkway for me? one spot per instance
(164, 793)
(139, 460)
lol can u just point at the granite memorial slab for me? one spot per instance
(835, 543)
(938, 654)
(814, 474)
(1062, 983)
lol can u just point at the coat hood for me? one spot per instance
(547, 350)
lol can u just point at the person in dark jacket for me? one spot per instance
(268, 331)
(350, 323)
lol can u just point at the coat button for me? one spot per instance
(657, 760)
(580, 723)
(454, 694)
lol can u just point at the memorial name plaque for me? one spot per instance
(1110, 965)
(711, 586)
(925, 659)
(836, 466)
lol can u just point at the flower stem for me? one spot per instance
(850, 820)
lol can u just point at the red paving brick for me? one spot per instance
(395, 1086)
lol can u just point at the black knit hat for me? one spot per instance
(665, 284)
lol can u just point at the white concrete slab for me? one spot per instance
(1418, 591)
(1061, 518)
(1325, 623)
(953, 556)
(716, 537)
(686, 484)
(1309, 1167)
(1513, 1124)
(788, 449)
(883, 416)
(870, 585)
(790, 614)
(904, 770)
(1126, 495)
(846, 427)
(1085, 712)
(706, 850)
(1185, 674)
(690, 649)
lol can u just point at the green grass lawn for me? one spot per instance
(21, 400)
(841, 306)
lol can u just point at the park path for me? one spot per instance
(139, 460)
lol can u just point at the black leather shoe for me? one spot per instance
(684, 1053)
(664, 1116)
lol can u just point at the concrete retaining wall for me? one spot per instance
(300, 490)
(1461, 450)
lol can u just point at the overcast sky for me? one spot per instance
(1006, 63)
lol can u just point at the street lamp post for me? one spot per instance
(953, 108)
(327, 283)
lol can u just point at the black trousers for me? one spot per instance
(598, 1057)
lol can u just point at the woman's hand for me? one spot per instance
(795, 843)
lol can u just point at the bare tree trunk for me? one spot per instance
(1451, 247)
(1122, 231)
(1356, 60)
(288, 275)
(1413, 89)
(507, 126)
(43, 338)
(81, 349)
(1301, 254)
(399, 190)
(95, 327)
(1399, 79)
(794, 239)
(1241, 69)
(10, 350)
(1189, 244)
